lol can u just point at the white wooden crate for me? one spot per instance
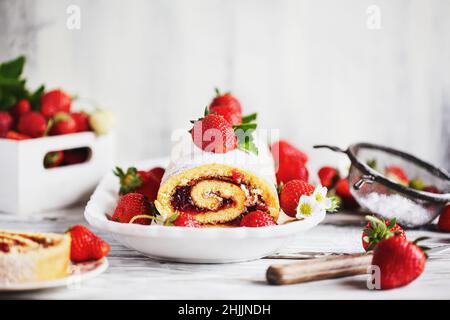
(27, 187)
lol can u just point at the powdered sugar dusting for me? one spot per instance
(407, 212)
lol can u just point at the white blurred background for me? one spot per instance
(314, 69)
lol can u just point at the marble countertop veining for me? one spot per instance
(134, 276)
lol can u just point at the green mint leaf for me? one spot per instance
(248, 146)
(12, 69)
(249, 118)
(245, 126)
(35, 98)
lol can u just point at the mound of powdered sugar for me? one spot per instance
(407, 212)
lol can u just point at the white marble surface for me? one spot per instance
(134, 276)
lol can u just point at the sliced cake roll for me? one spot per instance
(219, 189)
(31, 257)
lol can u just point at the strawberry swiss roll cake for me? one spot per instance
(218, 189)
(30, 257)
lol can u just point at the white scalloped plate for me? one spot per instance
(192, 245)
(78, 272)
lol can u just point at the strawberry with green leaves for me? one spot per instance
(143, 182)
(377, 230)
(225, 100)
(400, 261)
(226, 106)
(213, 133)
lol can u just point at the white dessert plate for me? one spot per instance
(78, 272)
(192, 245)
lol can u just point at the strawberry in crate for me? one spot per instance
(45, 135)
(27, 114)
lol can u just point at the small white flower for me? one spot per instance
(307, 206)
(320, 194)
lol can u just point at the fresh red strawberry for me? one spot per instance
(255, 219)
(63, 124)
(227, 100)
(186, 220)
(290, 162)
(431, 189)
(32, 124)
(399, 260)
(379, 229)
(53, 159)
(75, 156)
(131, 205)
(143, 182)
(85, 245)
(343, 191)
(6, 122)
(55, 101)
(444, 219)
(214, 134)
(20, 108)
(283, 151)
(82, 120)
(156, 174)
(14, 135)
(233, 116)
(397, 174)
(291, 170)
(328, 176)
(291, 193)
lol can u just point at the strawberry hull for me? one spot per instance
(27, 187)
